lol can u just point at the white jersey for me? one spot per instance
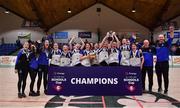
(125, 55)
(75, 57)
(86, 62)
(103, 55)
(65, 59)
(55, 60)
(114, 55)
(135, 58)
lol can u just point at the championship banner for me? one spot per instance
(109, 81)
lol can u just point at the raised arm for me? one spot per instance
(132, 38)
(104, 39)
(83, 44)
(70, 42)
(110, 43)
(117, 40)
(171, 30)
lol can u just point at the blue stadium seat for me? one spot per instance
(7, 48)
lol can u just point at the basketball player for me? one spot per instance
(55, 55)
(87, 55)
(43, 62)
(136, 57)
(22, 68)
(76, 52)
(103, 50)
(33, 68)
(114, 53)
(65, 58)
(125, 52)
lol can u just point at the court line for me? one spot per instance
(1, 101)
(78, 102)
(103, 102)
(139, 103)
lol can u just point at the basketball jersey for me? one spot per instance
(125, 54)
(65, 59)
(103, 55)
(114, 55)
(86, 62)
(76, 54)
(135, 58)
(55, 57)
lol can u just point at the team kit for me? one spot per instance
(35, 58)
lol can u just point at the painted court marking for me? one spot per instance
(103, 102)
(87, 102)
(139, 103)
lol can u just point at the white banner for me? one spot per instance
(7, 60)
(176, 60)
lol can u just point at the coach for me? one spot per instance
(162, 64)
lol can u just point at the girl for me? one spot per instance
(76, 52)
(87, 55)
(22, 68)
(43, 62)
(125, 52)
(55, 55)
(136, 58)
(114, 51)
(65, 58)
(95, 61)
(103, 51)
(33, 68)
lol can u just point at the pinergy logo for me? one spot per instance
(148, 99)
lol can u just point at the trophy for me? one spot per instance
(110, 35)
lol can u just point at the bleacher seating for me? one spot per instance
(6, 49)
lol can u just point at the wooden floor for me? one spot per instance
(8, 95)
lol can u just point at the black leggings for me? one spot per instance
(22, 76)
(43, 70)
(33, 74)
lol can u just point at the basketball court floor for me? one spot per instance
(8, 96)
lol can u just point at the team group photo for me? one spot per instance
(89, 53)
